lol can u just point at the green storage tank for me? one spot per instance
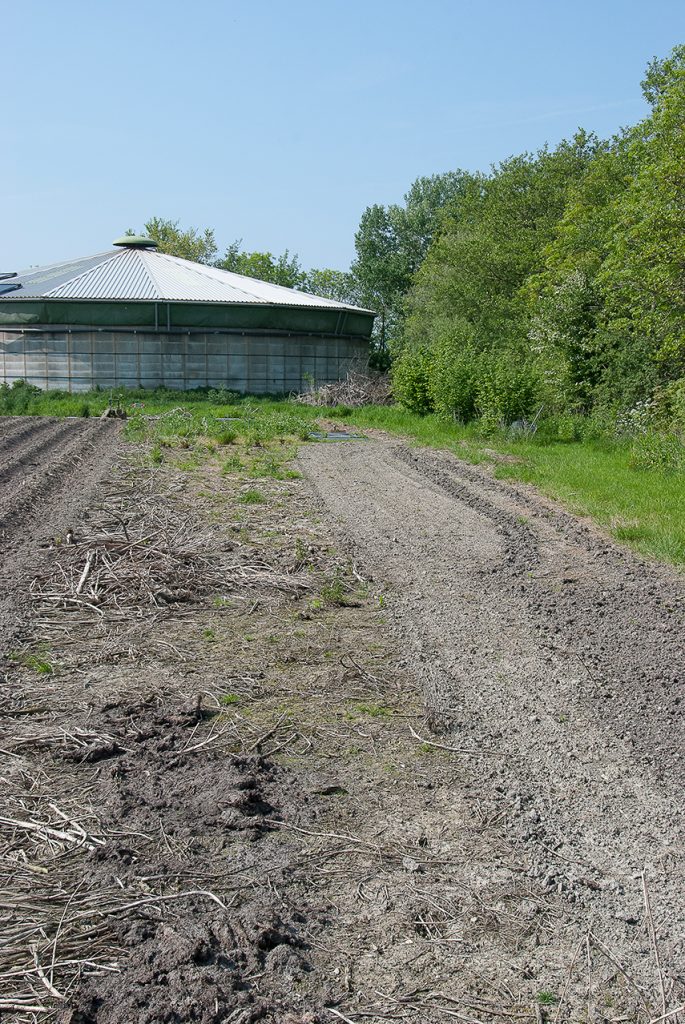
(136, 317)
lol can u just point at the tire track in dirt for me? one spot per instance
(62, 462)
(539, 642)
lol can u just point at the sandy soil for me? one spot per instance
(410, 748)
(555, 656)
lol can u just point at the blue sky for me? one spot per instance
(278, 123)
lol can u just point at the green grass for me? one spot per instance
(639, 504)
(218, 415)
(252, 497)
(596, 477)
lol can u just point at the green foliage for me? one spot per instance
(252, 497)
(411, 380)
(505, 391)
(284, 270)
(18, 399)
(492, 240)
(391, 243)
(454, 374)
(189, 244)
(339, 285)
(653, 450)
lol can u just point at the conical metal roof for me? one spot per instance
(133, 273)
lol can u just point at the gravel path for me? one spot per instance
(554, 654)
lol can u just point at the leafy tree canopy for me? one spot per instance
(188, 243)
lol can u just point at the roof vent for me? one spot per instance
(135, 242)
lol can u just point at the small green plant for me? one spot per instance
(231, 465)
(209, 635)
(545, 998)
(335, 590)
(36, 661)
(373, 710)
(156, 455)
(252, 497)
(301, 553)
(228, 699)
(226, 435)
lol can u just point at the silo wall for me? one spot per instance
(255, 364)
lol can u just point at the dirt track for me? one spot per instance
(49, 469)
(423, 781)
(556, 657)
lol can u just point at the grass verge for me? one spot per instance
(642, 507)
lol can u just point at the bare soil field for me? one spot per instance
(48, 470)
(389, 741)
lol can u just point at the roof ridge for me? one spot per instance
(200, 268)
(154, 283)
(83, 273)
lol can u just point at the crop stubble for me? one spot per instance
(228, 801)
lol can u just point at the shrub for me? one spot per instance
(669, 406)
(454, 380)
(653, 450)
(564, 428)
(505, 391)
(411, 376)
(18, 397)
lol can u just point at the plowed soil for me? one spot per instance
(418, 758)
(49, 470)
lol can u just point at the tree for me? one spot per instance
(338, 285)
(492, 239)
(189, 244)
(391, 244)
(661, 74)
(643, 274)
(264, 266)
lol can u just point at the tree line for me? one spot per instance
(556, 281)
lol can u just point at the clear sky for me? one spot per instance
(279, 122)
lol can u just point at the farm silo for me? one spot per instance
(136, 317)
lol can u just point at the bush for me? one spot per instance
(653, 450)
(454, 380)
(505, 391)
(563, 428)
(17, 398)
(411, 380)
(669, 407)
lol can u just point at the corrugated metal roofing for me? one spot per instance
(148, 275)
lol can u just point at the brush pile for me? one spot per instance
(355, 390)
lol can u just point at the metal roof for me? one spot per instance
(146, 275)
